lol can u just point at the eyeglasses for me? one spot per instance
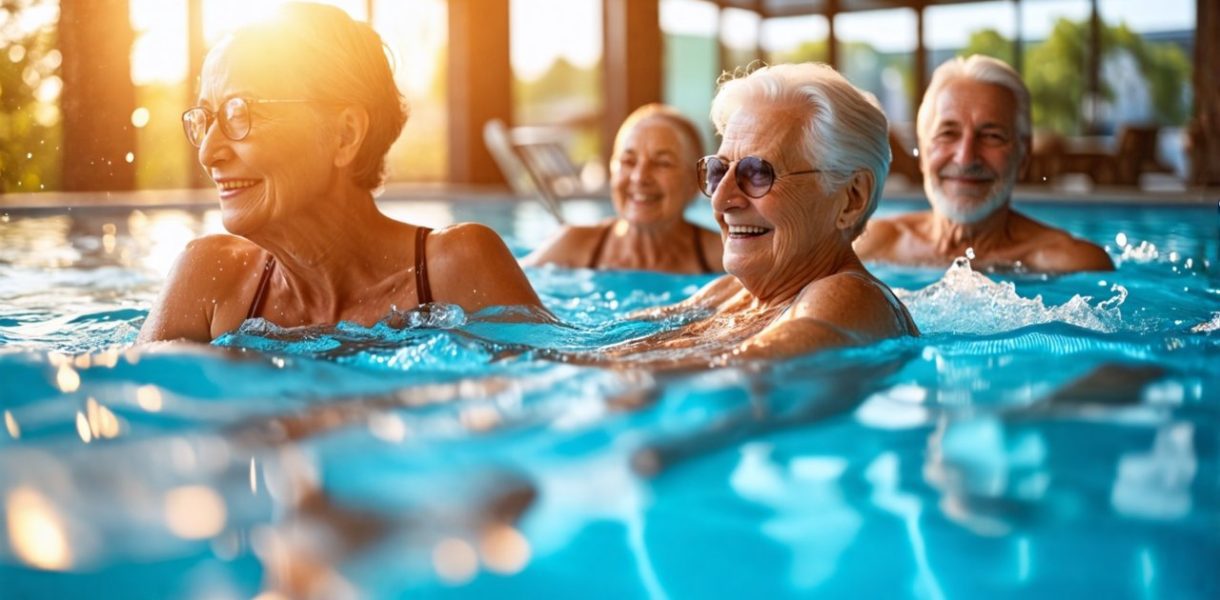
(754, 175)
(234, 118)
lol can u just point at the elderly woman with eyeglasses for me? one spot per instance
(651, 184)
(295, 116)
(799, 170)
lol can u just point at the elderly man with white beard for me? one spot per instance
(974, 138)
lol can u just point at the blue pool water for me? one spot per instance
(1046, 435)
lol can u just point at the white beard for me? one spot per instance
(1001, 192)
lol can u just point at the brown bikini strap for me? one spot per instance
(261, 292)
(423, 290)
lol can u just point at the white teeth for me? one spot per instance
(236, 185)
(746, 230)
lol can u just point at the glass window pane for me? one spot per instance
(876, 53)
(557, 75)
(417, 32)
(692, 63)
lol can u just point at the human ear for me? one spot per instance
(353, 126)
(858, 192)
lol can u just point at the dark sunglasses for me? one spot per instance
(754, 175)
(234, 119)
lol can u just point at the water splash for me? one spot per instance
(1208, 327)
(966, 301)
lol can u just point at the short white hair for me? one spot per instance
(845, 130)
(983, 69)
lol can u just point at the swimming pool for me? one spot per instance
(1047, 435)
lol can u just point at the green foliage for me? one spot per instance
(1056, 77)
(989, 42)
(814, 50)
(1056, 72)
(860, 63)
(1165, 68)
(565, 95)
(30, 130)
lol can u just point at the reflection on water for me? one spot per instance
(1047, 436)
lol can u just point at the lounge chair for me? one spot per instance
(535, 160)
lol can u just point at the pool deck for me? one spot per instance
(1069, 191)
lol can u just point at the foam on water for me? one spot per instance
(965, 301)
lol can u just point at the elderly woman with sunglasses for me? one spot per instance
(651, 184)
(295, 116)
(799, 171)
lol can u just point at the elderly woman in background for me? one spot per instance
(652, 181)
(799, 171)
(294, 120)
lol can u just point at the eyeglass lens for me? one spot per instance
(754, 176)
(234, 120)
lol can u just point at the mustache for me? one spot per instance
(970, 171)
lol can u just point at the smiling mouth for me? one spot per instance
(746, 231)
(236, 184)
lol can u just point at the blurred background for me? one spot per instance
(92, 91)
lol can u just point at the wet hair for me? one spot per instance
(331, 58)
(983, 69)
(686, 128)
(845, 130)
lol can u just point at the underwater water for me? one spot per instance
(1046, 435)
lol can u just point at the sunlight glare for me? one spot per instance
(36, 531)
(159, 54)
(537, 43)
(194, 512)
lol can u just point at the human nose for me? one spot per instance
(728, 194)
(965, 152)
(214, 146)
(639, 172)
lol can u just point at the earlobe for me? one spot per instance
(353, 126)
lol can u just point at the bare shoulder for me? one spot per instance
(469, 236)
(221, 246)
(1055, 250)
(570, 247)
(857, 303)
(206, 291)
(470, 265)
(882, 238)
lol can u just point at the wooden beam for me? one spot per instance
(480, 85)
(1018, 41)
(921, 60)
(98, 97)
(1093, 62)
(1204, 129)
(632, 57)
(832, 41)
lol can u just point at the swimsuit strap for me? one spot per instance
(423, 290)
(601, 245)
(703, 264)
(259, 294)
